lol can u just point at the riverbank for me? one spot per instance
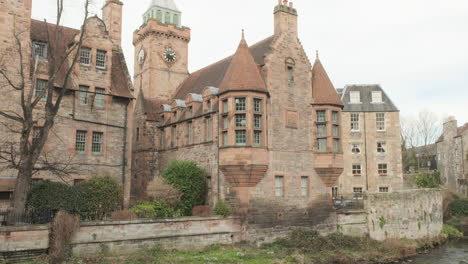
(300, 247)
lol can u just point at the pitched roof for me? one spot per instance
(121, 81)
(152, 108)
(243, 73)
(213, 74)
(366, 104)
(323, 91)
(462, 129)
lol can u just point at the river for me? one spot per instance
(455, 252)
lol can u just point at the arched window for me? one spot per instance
(167, 18)
(159, 15)
(176, 19)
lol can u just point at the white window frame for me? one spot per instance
(241, 120)
(381, 147)
(380, 119)
(356, 147)
(85, 56)
(354, 97)
(99, 97)
(240, 104)
(80, 141)
(377, 97)
(241, 140)
(304, 186)
(84, 95)
(101, 59)
(355, 122)
(257, 138)
(97, 143)
(319, 145)
(356, 169)
(382, 169)
(279, 186)
(40, 86)
(384, 189)
(321, 116)
(42, 48)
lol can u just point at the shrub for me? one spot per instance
(222, 209)
(63, 228)
(154, 209)
(428, 180)
(451, 232)
(54, 196)
(190, 180)
(458, 207)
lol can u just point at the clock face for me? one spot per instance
(170, 55)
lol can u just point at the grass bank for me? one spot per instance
(300, 247)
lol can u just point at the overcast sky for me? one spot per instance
(416, 49)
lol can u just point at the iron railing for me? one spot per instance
(27, 217)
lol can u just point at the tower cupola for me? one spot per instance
(163, 11)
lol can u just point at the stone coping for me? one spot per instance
(23, 228)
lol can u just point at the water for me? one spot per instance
(455, 252)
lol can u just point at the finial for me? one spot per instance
(243, 34)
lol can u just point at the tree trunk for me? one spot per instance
(23, 182)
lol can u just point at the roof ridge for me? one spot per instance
(52, 24)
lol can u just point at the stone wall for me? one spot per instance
(126, 237)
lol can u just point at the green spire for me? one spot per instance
(163, 11)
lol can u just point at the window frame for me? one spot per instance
(377, 95)
(356, 146)
(379, 122)
(239, 118)
(101, 59)
(279, 186)
(355, 97)
(44, 47)
(356, 169)
(83, 95)
(85, 51)
(238, 136)
(384, 189)
(382, 169)
(319, 115)
(381, 147)
(99, 97)
(225, 136)
(318, 145)
(80, 139)
(190, 133)
(240, 107)
(305, 187)
(336, 145)
(97, 143)
(257, 102)
(38, 92)
(257, 121)
(257, 141)
(225, 106)
(355, 121)
(208, 129)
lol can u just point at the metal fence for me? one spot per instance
(354, 201)
(27, 217)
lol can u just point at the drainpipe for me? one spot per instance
(219, 140)
(365, 155)
(463, 157)
(124, 148)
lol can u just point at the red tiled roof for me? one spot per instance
(323, 91)
(213, 74)
(121, 80)
(462, 129)
(243, 73)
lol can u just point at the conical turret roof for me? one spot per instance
(243, 74)
(323, 91)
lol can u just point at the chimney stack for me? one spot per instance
(112, 16)
(285, 18)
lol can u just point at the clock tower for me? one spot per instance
(161, 51)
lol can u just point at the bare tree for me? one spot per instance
(26, 156)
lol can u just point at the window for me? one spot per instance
(355, 97)
(83, 95)
(241, 138)
(321, 130)
(208, 129)
(190, 133)
(383, 189)
(5, 196)
(279, 186)
(335, 117)
(99, 97)
(336, 145)
(101, 59)
(335, 192)
(36, 134)
(382, 168)
(321, 116)
(96, 147)
(241, 120)
(290, 75)
(40, 50)
(257, 121)
(240, 104)
(225, 106)
(85, 56)
(257, 105)
(381, 147)
(304, 186)
(159, 15)
(376, 97)
(175, 19)
(356, 149)
(225, 122)
(356, 169)
(77, 181)
(380, 121)
(257, 138)
(80, 144)
(41, 88)
(162, 141)
(357, 192)
(225, 138)
(322, 145)
(167, 18)
(208, 106)
(138, 134)
(174, 136)
(355, 122)
(336, 131)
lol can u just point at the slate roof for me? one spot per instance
(121, 82)
(323, 91)
(366, 104)
(243, 73)
(213, 74)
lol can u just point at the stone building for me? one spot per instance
(266, 123)
(372, 141)
(452, 156)
(93, 129)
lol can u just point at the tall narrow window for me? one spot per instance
(159, 16)
(355, 122)
(241, 120)
(321, 130)
(208, 129)
(257, 121)
(357, 169)
(101, 56)
(138, 134)
(321, 116)
(257, 138)
(80, 143)
(175, 19)
(225, 138)
(304, 186)
(336, 131)
(241, 137)
(162, 142)
(290, 75)
(167, 18)
(97, 143)
(380, 121)
(382, 169)
(335, 117)
(225, 106)
(40, 50)
(355, 97)
(258, 105)
(322, 145)
(83, 95)
(99, 98)
(190, 133)
(381, 147)
(336, 145)
(85, 56)
(174, 136)
(240, 104)
(41, 88)
(225, 122)
(279, 186)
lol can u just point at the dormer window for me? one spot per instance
(355, 97)
(85, 56)
(40, 50)
(101, 59)
(376, 97)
